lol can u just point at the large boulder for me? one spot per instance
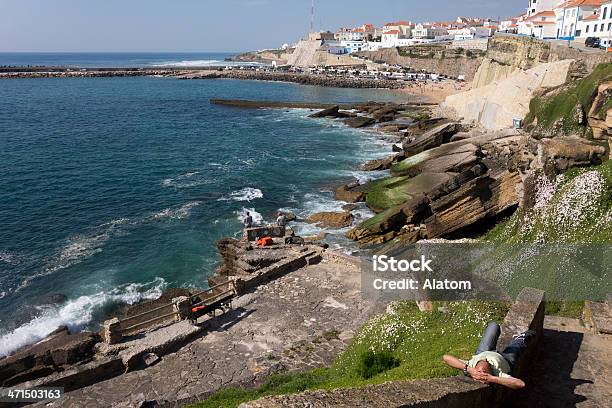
(359, 121)
(348, 194)
(453, 157)
(600, 114)
(432, 138)
(385, 226)
(331, 219)
(563, 152)
(333, 112)
(57, 352)
(382, 164)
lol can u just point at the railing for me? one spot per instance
(179, 309)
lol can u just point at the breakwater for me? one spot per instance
(202, 73)
(298, 78)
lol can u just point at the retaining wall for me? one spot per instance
(526, 313)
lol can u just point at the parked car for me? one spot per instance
(593, 42)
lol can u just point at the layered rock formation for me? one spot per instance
(462, 181)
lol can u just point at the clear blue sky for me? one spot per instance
(207, 25)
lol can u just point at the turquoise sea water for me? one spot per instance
(113, 59)
(112, 189)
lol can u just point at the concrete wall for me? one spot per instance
(526, 313)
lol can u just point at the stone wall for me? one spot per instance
(438, 59)
(526, 313)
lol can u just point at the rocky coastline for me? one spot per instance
(446, 179)
(204, 73)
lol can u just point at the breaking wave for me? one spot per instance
(177, 213)
(76, 313)
(245, 194)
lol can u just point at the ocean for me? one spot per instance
(116, 59)
(113, 189)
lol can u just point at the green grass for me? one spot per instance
(565, 309)
(556, 112)
(401, 344)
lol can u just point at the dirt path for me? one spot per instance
(300, 321)
(574, 368)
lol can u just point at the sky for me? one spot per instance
(207, 25)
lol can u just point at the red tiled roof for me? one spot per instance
(392, 32)
(544, 14)
(398, 23)
(581, 3)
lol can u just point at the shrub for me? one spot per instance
(371, 364)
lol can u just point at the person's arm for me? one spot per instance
(460, 365)
(510, 382)
(454, 362)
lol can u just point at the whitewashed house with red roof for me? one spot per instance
(542, 25)
(598, 24)
(571, 16)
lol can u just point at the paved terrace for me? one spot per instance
(279, 327)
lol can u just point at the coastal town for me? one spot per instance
(494, 146)
(569, 20)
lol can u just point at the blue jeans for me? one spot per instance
(489, 343)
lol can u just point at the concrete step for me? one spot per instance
(598, 317)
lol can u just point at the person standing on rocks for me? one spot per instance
(248, 220)
(281, 220)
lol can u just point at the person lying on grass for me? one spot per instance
(488, 366)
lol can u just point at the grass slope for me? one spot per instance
(562, 245)
(556, 112)
(404, 343)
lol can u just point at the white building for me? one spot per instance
(345, 47)
(404, 27)
(539, 6)
(541, 25)
(425, 31)
(598, 24)
(570, 15)
(390, 38)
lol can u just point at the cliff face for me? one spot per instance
(437, 59)
(494, 106)
(507, 55)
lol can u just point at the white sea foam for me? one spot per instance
(76, 313)
(177, 213)
(245, 194)
(188, 63)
